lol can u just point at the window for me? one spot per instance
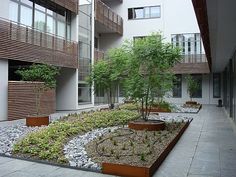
(198, 78)
(38, 16)
(216, 85)
(177, 86)
(144, 12)
(190, 43)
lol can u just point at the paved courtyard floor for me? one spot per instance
(207, 149)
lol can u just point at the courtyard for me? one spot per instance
(207, 148)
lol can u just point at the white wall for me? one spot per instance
(3, 89)
(177, 17)
(67, 89)
(207, 92)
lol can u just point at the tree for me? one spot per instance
(107, 73)
(40, 73)
(192, 86)
(148, 70)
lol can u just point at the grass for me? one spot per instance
(48, 143)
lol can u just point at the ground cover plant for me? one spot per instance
(47, 144)
(137, 148)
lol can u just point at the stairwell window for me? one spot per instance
(144, 12)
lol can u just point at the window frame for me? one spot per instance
(131, 12)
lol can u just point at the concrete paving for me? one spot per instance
(207, 149)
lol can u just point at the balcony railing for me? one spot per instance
(71, 5)
(108, 18)
(194, 58)
(24, 43)
(98, 54)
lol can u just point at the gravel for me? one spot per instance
(75, 152)
(182, 109)
(10, 134)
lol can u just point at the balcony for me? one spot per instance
(106, 20)
(98, 55)
(24, 43)
(192, 64)
(71, 5)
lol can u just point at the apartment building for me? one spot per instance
(39, 32)
(176, 20)
(74, 34)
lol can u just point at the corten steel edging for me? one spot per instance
(33, 121)
(158, 110)
(24, 43)
(135, 171)
(149, 126)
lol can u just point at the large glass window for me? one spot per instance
(85, 32)
(198, 79)
(40, 20)
(216, 85)
(38, 16)
(144, 12)
(26, 14)
(13, 11)
(177, 86)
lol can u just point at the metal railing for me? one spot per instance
(21, 42)
(194, 58)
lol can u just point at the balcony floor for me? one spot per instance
(207, 149)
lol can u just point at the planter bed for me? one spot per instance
(117, 157)
(150, 125)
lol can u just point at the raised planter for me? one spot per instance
(156, 109)
(150, 125)
(135, 171)
(191, 102)
(33, 121)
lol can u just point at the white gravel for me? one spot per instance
(10, 134)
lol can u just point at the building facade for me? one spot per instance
(176, 21)
(74, 34)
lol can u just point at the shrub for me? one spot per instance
(48, 143)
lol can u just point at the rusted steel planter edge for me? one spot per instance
(135, 171)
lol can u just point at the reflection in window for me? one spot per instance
(144, 12)
(177, 86)
(26, 15)
(13, 11)
(39, 21)
(84, 93)
(198, 79)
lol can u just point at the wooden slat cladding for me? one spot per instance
(72, 5)
(98, 55)
(21, 100)
(192, 64)
(23, 43)
(105, 16)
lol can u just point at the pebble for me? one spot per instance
(75, 151)
(10, 134)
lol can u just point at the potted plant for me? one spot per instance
(192, 88)
(44, 77)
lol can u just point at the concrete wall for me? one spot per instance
(67, 90)
(177, 16)
(3, 89)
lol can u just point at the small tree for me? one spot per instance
(40, 73)
(149, 75)
(192, 86)
(107, 73)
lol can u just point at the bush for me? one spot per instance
(129, 106)
(163, 105)
(48, 143)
